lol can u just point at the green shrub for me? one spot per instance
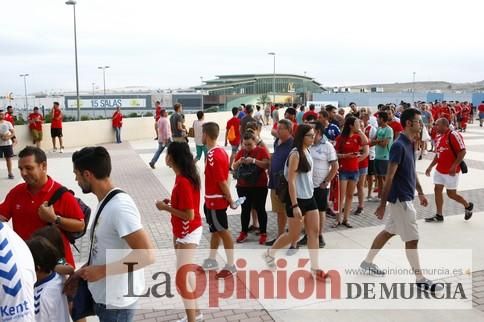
(212, 109)
(148, 114)
(85, 117)
(132, 114)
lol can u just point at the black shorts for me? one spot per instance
(320, 195)
(216, 219)
(304, 204)
(6, 151)
(56, 132)
(371, 167)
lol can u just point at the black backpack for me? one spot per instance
(86, 210)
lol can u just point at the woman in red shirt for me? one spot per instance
(184, 208)
(254, 189)
(348, 146)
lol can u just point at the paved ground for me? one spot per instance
(131, 173)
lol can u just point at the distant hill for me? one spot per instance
(426, 86)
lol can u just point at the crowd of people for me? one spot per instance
(320, 161)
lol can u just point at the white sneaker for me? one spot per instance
(198, 318)
(61, 150)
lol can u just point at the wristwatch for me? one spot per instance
(57, 220)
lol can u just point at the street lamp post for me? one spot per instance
(73, 4)
(201, 80)
(413, 89)
(25, 88)
(104, 81)
(273, 78)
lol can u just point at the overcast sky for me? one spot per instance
(170, 44)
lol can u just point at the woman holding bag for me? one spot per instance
(250, 166)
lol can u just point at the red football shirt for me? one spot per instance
(305, 115)
(158, 113)
(117, 119)
(396, 127)
(445, 156)
(235, 123)
(37, 125)
(9, 118)
(480, 108)
(351, 144)
(258, 153)
(184, 197)
(445, 112)
(21, 206)
(56, 122)
(216, 171)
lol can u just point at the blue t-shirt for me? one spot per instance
(299, 117)
(405, 179)
(241, 115)
(279, 157)
(332, 132)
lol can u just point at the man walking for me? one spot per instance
(56, 126)
(399, 191)
(164, 136)
(119, 228)
(35, 125)
(232, 134)
(177, 121)
(450, 151)
(6, 144)
(382, 143)
(117, 121)
(217, 199)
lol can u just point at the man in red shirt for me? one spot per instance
(158, 109)
(310, 112)
(117, 123)
(26, 203)
(394, 123)
(35, 125)
(290, 115)
(445, 111)
(56, 126)
(480, 109)
(450, 151)
(217, 199)
(234, 124)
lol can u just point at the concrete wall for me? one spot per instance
(84, 133)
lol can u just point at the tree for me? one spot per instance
(263, 99)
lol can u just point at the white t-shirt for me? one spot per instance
(322, 153)
(5, 127)
(372, 136)
(50, 303)
(120, 217)
(197, 129)
(18, 277)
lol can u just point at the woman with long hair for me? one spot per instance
(184, 207)
(300, 204)
(348, 146)
(253, 188)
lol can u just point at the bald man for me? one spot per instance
(450, 151)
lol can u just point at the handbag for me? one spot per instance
(247, 172)
(83, 303)
(463, 165)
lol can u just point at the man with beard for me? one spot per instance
(26, 203)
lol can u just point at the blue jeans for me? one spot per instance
(158, 152)
(117, 132)
(114, 315)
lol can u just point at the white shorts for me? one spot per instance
(402, 220)
(449, 182)
(192, 238)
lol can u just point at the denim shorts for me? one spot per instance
(362, 172)
(349, 175)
